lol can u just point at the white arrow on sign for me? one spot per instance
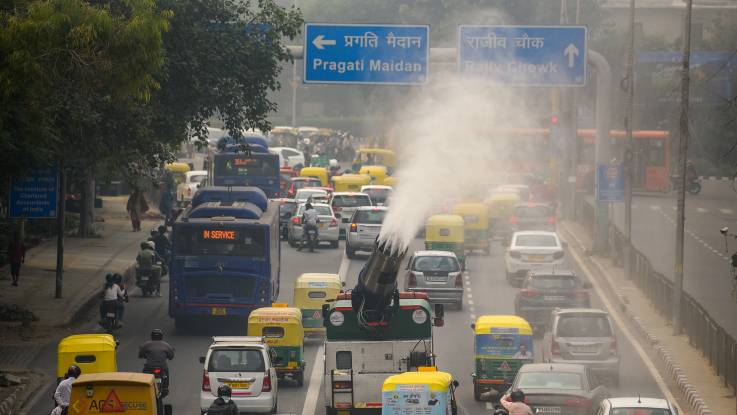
(571, 51)
(320, 42)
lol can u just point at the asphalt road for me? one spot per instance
(706, 264)
(486, 291)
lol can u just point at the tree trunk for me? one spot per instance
(87, 208)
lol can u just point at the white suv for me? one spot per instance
(245, 364)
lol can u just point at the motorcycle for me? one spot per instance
(110, 316)
(148, 280)
(311, 237)
(693, 187)
(161, 375)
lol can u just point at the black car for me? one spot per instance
(532, 217)
(543, 292)
(287, 207)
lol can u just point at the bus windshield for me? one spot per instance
(205, 240)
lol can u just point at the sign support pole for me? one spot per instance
(603, 106)
(60, 231)
(628, 154)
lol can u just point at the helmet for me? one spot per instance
(308, 205)
(517, 396)
(224, 390)
(117, 278)
(151, 244)
(306, 141)
(109, 278)
(144, 244)
(74, 371)
(157, 334)
(154, 232)
(162, 229)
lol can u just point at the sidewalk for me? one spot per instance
(690, 376)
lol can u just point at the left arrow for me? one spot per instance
(320, 42)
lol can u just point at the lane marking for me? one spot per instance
(469, 296)
(345, 263)
(470, 302)
(701, 210)
(654, 207)
(726, 211)
(315, 383)
(626, 331)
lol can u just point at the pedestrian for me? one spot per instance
(16, 256)
(63, 391)
(136, 207)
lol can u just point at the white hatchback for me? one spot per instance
(637, 405)
(537, 251)
(245, 364)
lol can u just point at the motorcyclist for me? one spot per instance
(156, 352)
(310, 220)
(163, 245)
(223, 405)
(112, 295)
(691, 173)
(64, 390)
(118, 280)
(146, 260)
(515, 404)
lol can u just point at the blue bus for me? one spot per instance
(225, 261)
(257, 169)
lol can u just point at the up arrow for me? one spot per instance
(571, 51)
(320, 42)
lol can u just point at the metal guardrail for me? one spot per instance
(704, 333)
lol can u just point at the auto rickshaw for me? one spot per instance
(93, 353)
(475, 225)
(123, 392)
(502, 344)
(350, 182)
(426, 392)
(391, 181)
(445, 233)
(311, 291)
(283, 137)
(320, 173)
(378, 174)
(282, 327)
(500, 206)
(375, 156)
(178, 171)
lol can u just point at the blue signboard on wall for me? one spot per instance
(35, 196)
(610, 183)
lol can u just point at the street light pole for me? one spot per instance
(681, 177)
(628, 155)
(294, 93)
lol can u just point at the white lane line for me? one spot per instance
(726, 211)
(469, 296)
(614, 312)
(473, 317)
(344, 265)
(315, 383)
(654, 207)
(468, 289)
(470, 302)
(701, 210)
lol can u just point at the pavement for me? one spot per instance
(656, 334)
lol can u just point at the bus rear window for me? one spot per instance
(240, 241)
(240, 165)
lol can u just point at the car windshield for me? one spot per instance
(378, 195)
(549, 380)
(545, 241)
(301, 184)
(343, 201)
(286, 210)
(640, 411)
(197, 178)
(321, 210)
(236, 360)
(304, 194)
(553, 282)
(532, 212)
(369, 217)
(435, 263)
(583, 325)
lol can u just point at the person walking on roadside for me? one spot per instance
(16, 256)
(136, 207)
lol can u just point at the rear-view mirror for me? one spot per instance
(202, 360)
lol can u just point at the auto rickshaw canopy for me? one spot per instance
(445, 228)
(378, 174)
(350, 182)
(93, 353)
(280, 326)
(436, 381)
(475, 215)
(485, 324)
(320, 173)
(381, 156)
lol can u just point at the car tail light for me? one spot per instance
(577, 402)
(266, 386)
(613, 348)
(515, 254)
(412, 280)
(459, 280)
(291, 190)
(333, 222)
(558, 255)
(554, 347)
(205, 382)
(342, 384)
(297, 220)
(157, 371)
(551, 220)
(529, 292)
(354, 227)
(513, 220)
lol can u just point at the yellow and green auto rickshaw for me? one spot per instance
(311, 291)
(502, 344)
(281, 326)
(378, 174)
(425, 392)
(375, 156)
(121, 392)
(475, 225)
(445, 233)
(320, 173)
(501, 205)
(350, 182)
(93, 353)
(178, 171)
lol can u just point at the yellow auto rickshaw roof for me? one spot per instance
(122, 377)
(484, 324)
(324, 131)
(372, 168)
(469, 207)
(331, 280)
(390, 181)
(178, 167)
(313, 170)
(284, 130)
(87, 343)
(503, 196)
(437, 381)
(447, 220)
(354, 178)
(290, 314)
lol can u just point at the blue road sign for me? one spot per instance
(524, 55)
(35, 196)
(366, 54)
(610, 183)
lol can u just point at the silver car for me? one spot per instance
(437, 273)
(584, 336)
(363, 229)
(327, 229)
(345, 203)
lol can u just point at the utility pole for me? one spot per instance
(628, 154)
(681, 177)
(566, 137)
(60, 211)
(294, 92)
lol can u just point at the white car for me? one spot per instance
(537, 251)
(289, 157)
(379, 194)
(327, 229)
(187, 189)
(637, 405)
(245, 364)
(307, 193)
(345, 203)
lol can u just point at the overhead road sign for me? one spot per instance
(366, 54)
(35, 196)
(524, 55)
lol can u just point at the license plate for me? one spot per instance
(548, 410)
(584, 349)
(436, 279)
(110, 315)
(144, 279)
(322, 226)
(218, 311)
(238, 385)
(536, 258)
(554, 298)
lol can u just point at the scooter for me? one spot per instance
(110, 316)
(311, 238)
(161, 375)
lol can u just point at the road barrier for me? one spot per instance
(704, 333)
